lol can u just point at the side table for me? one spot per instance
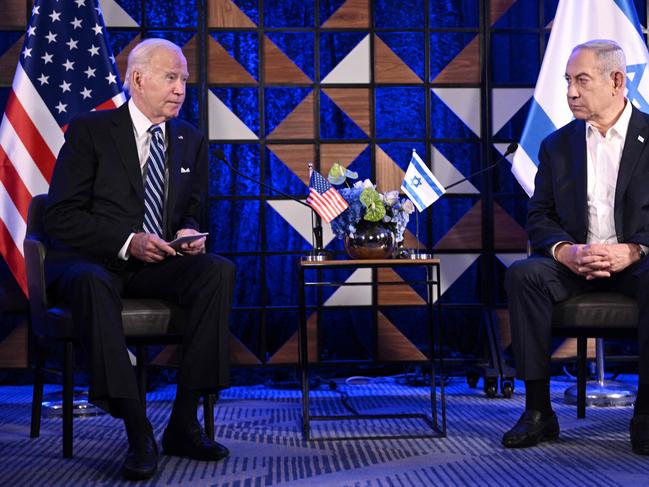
(316, 273)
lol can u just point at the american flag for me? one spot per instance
(324, 198)
(65, 68)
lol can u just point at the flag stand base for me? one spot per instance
(416, 255)
(316, 256)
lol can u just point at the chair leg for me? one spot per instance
(581, 377)
(208, 414)
(37, 395)
(68, 374)
(140, 371)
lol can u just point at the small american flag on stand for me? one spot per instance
(65, 68)
(324, 198)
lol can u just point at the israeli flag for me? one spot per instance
(420, 185)
(578, 21)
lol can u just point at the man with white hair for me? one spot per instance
(588, 224)
(126, 182)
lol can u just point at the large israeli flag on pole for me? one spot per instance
(578, 21)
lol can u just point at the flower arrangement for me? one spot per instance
(367, 204)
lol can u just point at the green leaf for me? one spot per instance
(375, 211)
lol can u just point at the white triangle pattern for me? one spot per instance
(505, 103)
(115, 15)
(299, 217)
(354, 68)
(225, 125)
(509, 259)
(353, 295)
(502, 148)
(452, 267)
(447, 174)
(465, 103)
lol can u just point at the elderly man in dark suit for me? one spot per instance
(125, 182)
(588, 223)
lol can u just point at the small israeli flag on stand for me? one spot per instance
(575, 22)
(420, 185)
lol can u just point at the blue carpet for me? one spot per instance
(261, 426)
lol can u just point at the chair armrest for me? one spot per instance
(35, 266)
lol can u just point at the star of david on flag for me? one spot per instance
(575, 22)
(324, 199)
(420, 185)
(66, 67)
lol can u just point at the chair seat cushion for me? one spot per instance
(596, 310)
(140, 318)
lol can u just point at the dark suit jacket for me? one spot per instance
(96, 197)
(558, 209)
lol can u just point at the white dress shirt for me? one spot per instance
(141, 125)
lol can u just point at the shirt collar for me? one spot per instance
(621, 126)
(141, 123)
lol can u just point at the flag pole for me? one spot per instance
(318, 253)
(417, 254)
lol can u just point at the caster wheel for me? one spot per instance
(507, 390)
(472, 380)
(491, 388)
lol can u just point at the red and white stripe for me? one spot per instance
(30, 140)
(328, 204)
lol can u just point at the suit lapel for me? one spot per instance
(175, 140)
(580, 171)
(122, 132)
(636, 138)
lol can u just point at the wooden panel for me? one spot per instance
(13, 349)
(389, 68)
(466, 234)
(9, 61)
(279, 68)
(296, 157)
(465, 67)
(190, 50)
(223, 68)
(355, 102)
(288, 353)
(402, 294)
(240, 354)
(392, 344)
(224, 13)
(568, 349)
(497, 9)
(298, 124)
(410, 240)
(122, 58)
(14, 13)
(389, 175)
(508, 234)
(353, 14)
(343, 154)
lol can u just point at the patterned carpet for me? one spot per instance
(261, 427)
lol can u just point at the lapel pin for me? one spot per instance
(184, 170)
(641, 138)
(180, 137)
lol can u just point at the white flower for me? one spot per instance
(408, 207)
(391, 198)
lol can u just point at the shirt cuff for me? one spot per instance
(554, 248)
(123, 252)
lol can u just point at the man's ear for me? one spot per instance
(618, 79)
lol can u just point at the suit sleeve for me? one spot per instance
(544, 227)
(70, 221)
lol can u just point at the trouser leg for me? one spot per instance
(93, 296)
(533, 286)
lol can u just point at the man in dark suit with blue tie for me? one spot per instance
(588, 224)
(127, 181)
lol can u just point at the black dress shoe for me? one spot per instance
(531, 429)
(192, 442)
(141, 461)
(640, 434)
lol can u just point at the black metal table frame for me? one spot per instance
(435, 329)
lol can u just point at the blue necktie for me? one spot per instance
(154, 184)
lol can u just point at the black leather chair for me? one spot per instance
(146, 322)
(596, 314)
